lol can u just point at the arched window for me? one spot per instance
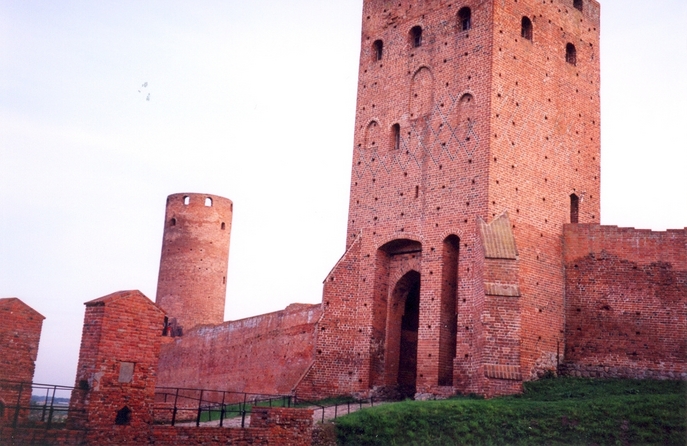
(173, 222)
(415, 36)
(577, 4)
(208, 201)
(571, 54)
(187, 200)
(526, 31)
(574, 208)
(395, 137)
(223, 226)
(465, 18)
(378, 48)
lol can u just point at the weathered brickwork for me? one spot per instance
(192, 283)
(473, 259)
(20, 332)
(41, 437)
(626, 302)
(465, 111)
(269, 427)
(115, 377)
(261, 354)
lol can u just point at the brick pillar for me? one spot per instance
(116, 375)
(20, 332)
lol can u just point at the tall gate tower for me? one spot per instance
(476, 139)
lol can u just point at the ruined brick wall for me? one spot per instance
(192, 283)
(115, 378)
(20, 332)
(262, 354)
(626, 302)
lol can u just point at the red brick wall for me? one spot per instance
(121, 334)
(489, 124)
(545, 146)
(626, 302)
(269, 426)
(41, 437)
(262, 354)
(20, 332)
(192, 283)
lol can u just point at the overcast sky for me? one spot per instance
(108, 107)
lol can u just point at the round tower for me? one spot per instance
(192, 283)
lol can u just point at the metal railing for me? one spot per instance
(34, 404)
(195, 406)
(340, 407)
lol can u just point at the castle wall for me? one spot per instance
(262, 354)
(192, 283)
(626, 302)
(20, 332)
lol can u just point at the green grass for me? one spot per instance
(563, 411)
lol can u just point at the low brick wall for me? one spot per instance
(40, 437)
(269, 426)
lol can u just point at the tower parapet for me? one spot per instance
(192, 283)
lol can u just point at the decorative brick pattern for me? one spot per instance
(457, 125)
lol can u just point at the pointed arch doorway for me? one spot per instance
(402, 333)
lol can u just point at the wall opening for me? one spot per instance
(187, 200)
(415, 36)
(223, 226)
(208, 201)
(577, 4)
(465, 18)
(395, 137)
(123, 417)
(449, 311)
(526, 31)
(570, 54)
(388, 306)
(378, 49)
(173, 222)
(574, 208)
(402, 331)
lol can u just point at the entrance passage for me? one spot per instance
(408, 294)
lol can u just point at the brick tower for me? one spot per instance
(476, 140)
(192, 283)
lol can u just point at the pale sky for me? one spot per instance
(254, 101)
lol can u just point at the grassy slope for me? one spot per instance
(552, 411)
